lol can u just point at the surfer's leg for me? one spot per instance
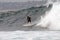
(30, 21)
(27, 20)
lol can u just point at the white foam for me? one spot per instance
(52, 18)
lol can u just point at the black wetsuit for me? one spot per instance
(28, 19)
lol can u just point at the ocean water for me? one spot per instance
(30, 35)
(45, 18)
(52, 19)
(14, 20)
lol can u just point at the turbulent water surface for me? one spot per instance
(46, 18)
(30, 35)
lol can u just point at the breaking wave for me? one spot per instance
(52, 19)
(46, 17)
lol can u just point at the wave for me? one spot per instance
(52, 19)
(15, 19)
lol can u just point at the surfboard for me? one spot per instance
(29, 24)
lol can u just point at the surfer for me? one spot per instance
(28, 19)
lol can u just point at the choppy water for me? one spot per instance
(30, 35)
(47, 18)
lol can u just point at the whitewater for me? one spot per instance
(30, 35)
(11, 25)
(52, 19)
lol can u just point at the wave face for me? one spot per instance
(52, 19)
(16, 19)
(46, 17)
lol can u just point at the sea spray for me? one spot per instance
(52, 19)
